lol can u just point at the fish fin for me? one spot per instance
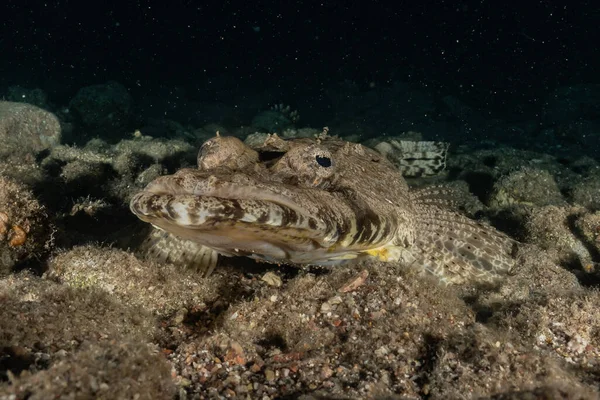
(457, 249)
(165, 247)
(441, 196)
(415, 158)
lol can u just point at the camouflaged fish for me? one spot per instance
(415, 158)
(312, 202)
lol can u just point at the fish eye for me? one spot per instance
(323, 161)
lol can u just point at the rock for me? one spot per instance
(526, 186)
(587, 192)
(93, 372)
(105, 108)
(26, 129)
(113, 271)
(271, 279)
(550, 228)
(25, 229)
(270, 375)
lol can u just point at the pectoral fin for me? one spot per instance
(165, 247)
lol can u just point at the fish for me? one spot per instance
(314, 201)
(415, 158)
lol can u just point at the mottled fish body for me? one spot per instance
(309, 201)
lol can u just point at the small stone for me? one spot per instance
(235, 354)
(180, 316)
(326, 372)
(18, 236)
(271, 279)
(183, 382)
(104, 386)
(269, 375)
(255, 367)
(382, 351)
(61, 353)
(93, 382)
(241, 389)
(355, 283)
(3, 225)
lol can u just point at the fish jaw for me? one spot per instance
(233, 227)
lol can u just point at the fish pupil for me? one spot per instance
(323, 161)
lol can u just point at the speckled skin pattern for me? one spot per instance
(317, 201)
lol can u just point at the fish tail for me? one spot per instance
(415, 158)
(458, 250)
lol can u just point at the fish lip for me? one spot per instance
(230, 234)
(226, 189)
(194, 191)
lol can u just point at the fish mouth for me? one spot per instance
(236, 218)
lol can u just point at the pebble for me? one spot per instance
(272, 279)
(356, 282)
(269, 375)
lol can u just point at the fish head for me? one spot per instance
(301, 201)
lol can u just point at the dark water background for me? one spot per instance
(502, 58)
